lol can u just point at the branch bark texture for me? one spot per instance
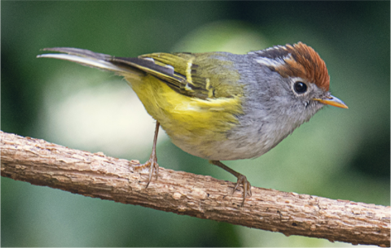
(96, 175)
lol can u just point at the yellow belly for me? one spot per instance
(195, 125)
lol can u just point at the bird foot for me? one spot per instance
(242, 180)
(153, 168)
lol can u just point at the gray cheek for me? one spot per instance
(271, 112)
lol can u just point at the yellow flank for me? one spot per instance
(190, 120)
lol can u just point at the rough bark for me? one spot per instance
(96, 175)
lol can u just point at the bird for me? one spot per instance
(221, 106)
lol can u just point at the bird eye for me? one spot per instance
(300, 87)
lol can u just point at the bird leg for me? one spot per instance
(242, 180)
(152, 161)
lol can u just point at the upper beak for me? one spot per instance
(332, 101)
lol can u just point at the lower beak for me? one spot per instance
(332, 101)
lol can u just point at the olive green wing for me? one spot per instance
(204, 75)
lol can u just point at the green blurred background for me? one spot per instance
(339, 154)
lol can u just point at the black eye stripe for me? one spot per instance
(300, 87)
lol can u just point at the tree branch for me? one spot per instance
(96, 175)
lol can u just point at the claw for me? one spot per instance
(242, 180)
(153, 168)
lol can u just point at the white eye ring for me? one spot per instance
(299, 87)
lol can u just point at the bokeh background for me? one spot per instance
(339, 154)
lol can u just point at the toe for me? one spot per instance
(242, 180)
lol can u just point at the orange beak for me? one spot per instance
(332, 101)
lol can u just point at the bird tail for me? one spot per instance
(133, 69)
(87, 58)
(130, 68)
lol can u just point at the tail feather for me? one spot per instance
(79, 52)
(86, 58)
(131, 68)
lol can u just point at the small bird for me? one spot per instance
(218, 105)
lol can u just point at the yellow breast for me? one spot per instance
(195, 125)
